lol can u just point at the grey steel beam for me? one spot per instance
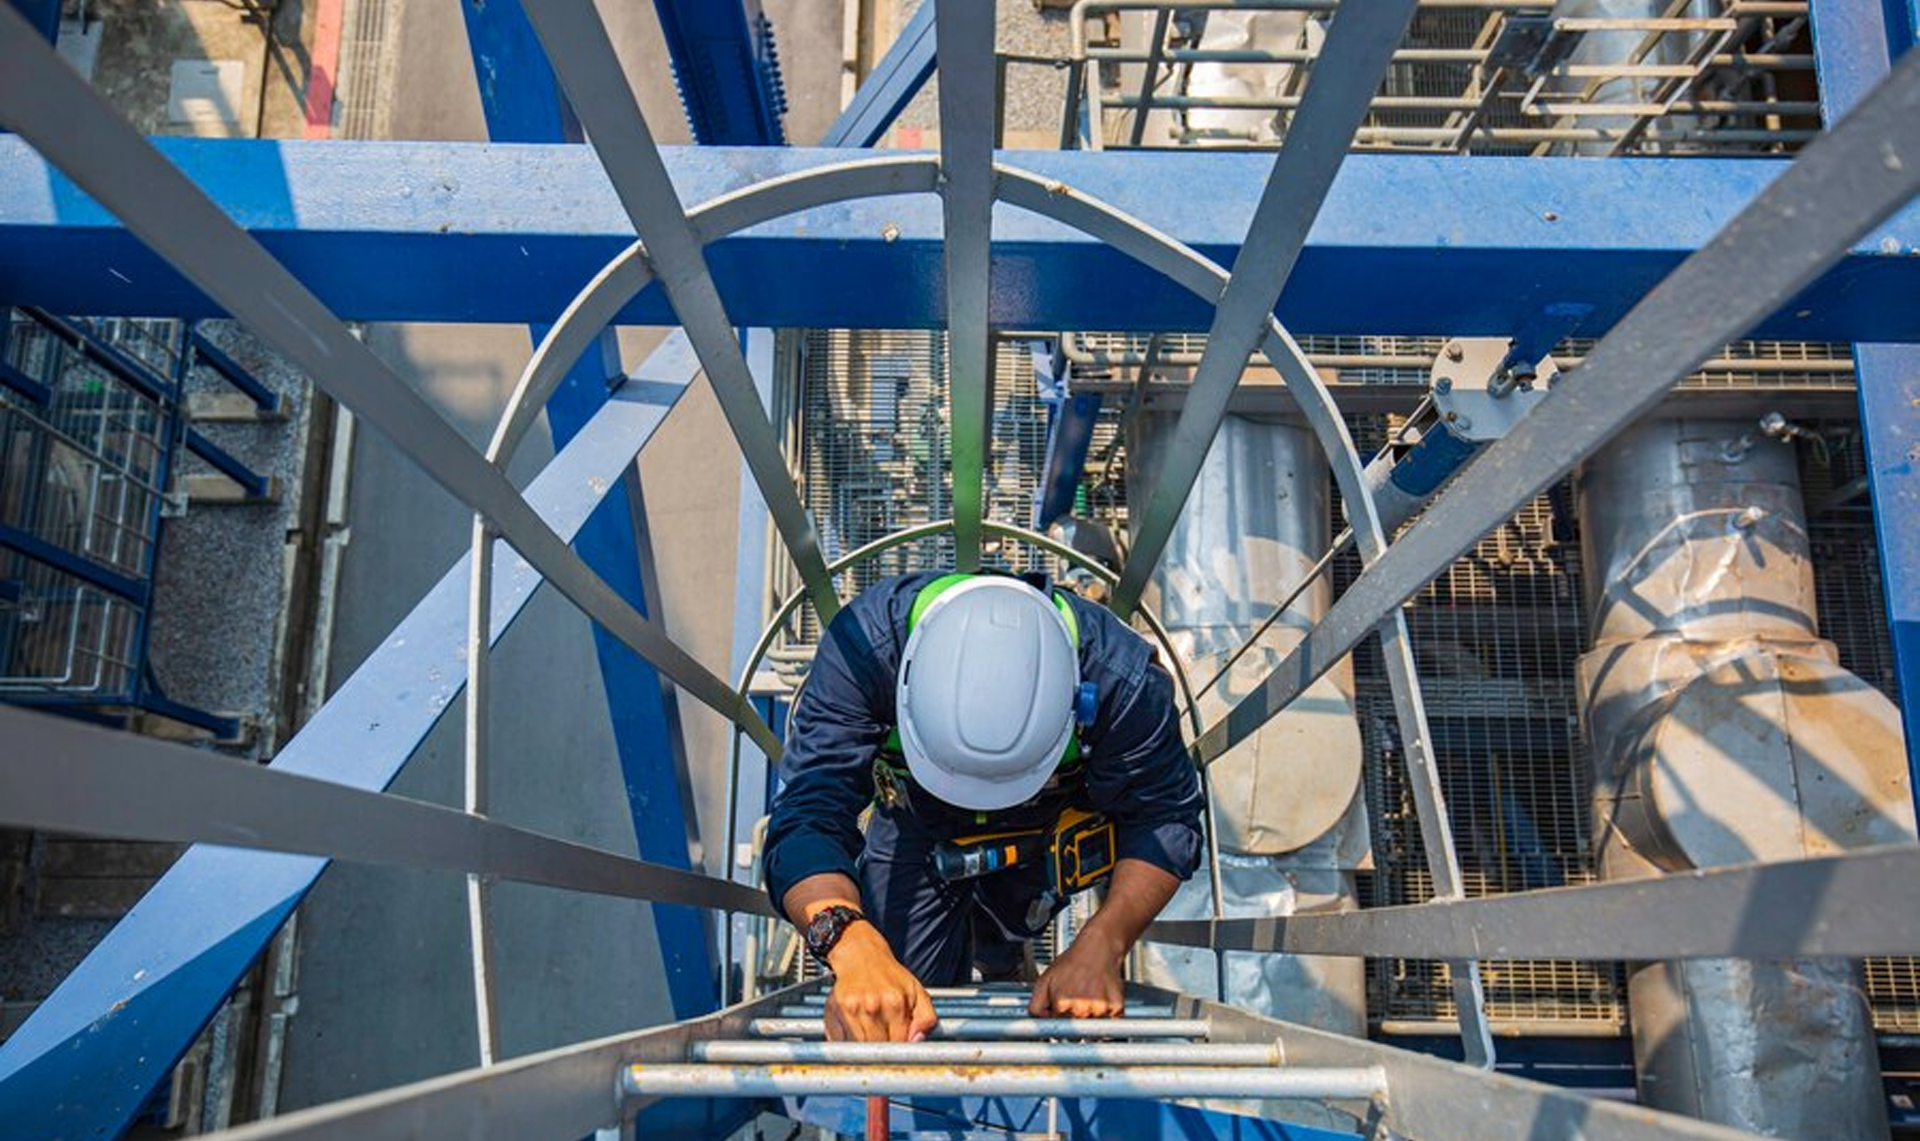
(753, 1053)
(1858, 173)
(584, 60)
(989, 1029)
(1862, 903)
(968, 115)
(1339, 90)
(573, 1090)
(567, 1092)
(1355, 1083)
(56, 110)
(54, 771)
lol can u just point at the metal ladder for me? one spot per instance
(987, 1046)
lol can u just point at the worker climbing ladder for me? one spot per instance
(1170, 1046)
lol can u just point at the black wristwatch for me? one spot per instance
(825, 929)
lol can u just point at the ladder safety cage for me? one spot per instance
(1862, 170)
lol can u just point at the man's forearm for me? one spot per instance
(808, 897)
(1138, 893)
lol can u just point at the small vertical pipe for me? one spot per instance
(1150, 76)
(480, 887)
(879, 1127)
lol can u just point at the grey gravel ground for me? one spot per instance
(220, 586)
(1036, 95)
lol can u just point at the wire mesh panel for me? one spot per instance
(873, 442)
(82, 467)
(1725, 77)
(1853, 615)
(1496, 640)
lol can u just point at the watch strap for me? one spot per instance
(826, 927)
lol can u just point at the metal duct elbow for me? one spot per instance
(1725, 731)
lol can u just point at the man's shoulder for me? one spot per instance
(1108, 645)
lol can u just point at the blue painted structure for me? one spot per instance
(892, 84)
(1406, 243)
(1855, 43)
(727, 69)
(1071, 417)
(43, 15)
(523, 103)
(160, 418)
(88, 1059)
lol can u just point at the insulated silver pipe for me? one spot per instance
(990, 1053)
(1147, 1082)
(1724, 732)
(1248, 535)
(986, 1029)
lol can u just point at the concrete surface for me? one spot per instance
(383, 990)
(142, 40)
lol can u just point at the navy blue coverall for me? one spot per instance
(1134, 768)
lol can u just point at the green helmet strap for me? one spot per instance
(946, 582)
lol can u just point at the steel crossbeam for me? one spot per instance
(1406, 244)
(171, 792)
(1865, 903)
(968, 115)
(1860, 904)
(584, 60)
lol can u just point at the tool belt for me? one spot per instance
(1078, 850)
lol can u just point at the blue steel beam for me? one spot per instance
(226, 463)
(727, 70)
(207, 353)
(96, 575)
(44, 15)
(892, 84)
(1854, 45)
(523, 104)
(1405, 244)
(1071, 418)
(91, 1054)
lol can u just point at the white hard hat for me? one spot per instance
(986, 693)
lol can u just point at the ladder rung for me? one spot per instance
(953, 1008)
(694, 1080)
(978, 1029)
(744, 1053)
